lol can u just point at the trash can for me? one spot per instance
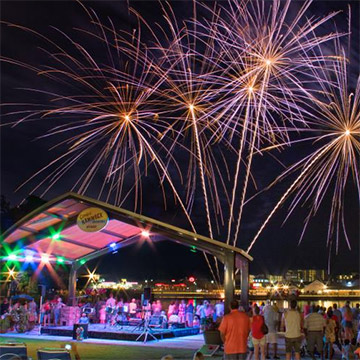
(84, 331)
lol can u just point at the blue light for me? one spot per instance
(113, 245)
(29, 258)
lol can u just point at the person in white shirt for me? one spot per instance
(219, 310)
(110, 307)
(132, 308)
(292, 321)
(57, 310)
(272, 321)
(111, 302)
(173, 319)
(314, 327)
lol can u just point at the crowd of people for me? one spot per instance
(111, 310)
(312, 331)
(27, 311)
(246, 331)
(179, 313)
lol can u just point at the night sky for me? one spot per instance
(22, 155)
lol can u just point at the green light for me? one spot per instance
(60, 260)
(82, 262)
(56, 237)
(12, 257)
(193, 249)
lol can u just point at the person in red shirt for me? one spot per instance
(45, 312)
(234, 330)
(258, 337)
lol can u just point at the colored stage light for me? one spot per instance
(82, 262)
(11, 273)
(113, 245)
(56, 237)
(145, 233)
(60, 260)
(45, 258)
(12, 257)
(29, 258)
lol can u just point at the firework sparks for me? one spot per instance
(186, 97)
(114, 116)
(330, 167)
(237, 78)
(263, 51)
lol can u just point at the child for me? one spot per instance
(84, 319)
(347, 354)
(250, 346)
(196, 322)
(330, 333)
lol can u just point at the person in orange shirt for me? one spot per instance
(234, 330)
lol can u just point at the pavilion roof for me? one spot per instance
(52, 229)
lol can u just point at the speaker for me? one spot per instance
(144, 302)
(147, 293)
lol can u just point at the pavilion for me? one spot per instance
(76, 228)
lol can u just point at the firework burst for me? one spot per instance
(112, 115)
(265, 53)
(240, 77)
(335, 129)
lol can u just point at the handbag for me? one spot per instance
(264, 328)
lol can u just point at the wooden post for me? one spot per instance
(244, 276)
(72, 284)
(229, 279)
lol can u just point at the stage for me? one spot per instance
(129, 333)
